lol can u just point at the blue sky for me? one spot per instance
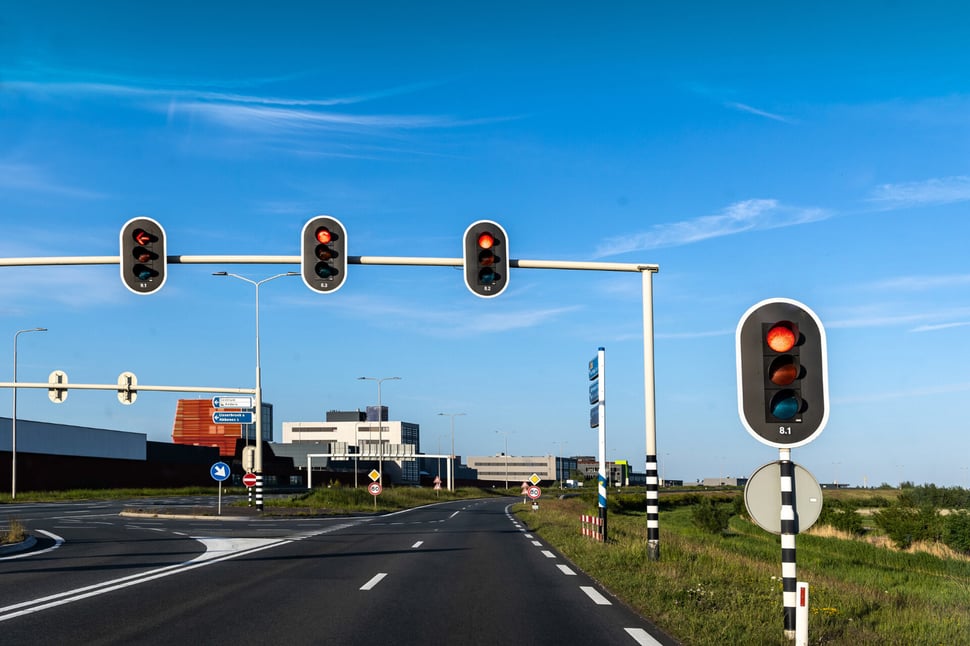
(817, 153)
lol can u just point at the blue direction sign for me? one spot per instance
(219, 471)
(232, 417)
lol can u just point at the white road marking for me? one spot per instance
(417, 545)
(374, 581)
(217, 549)
(594, 594)
(537, 543)
(565, 569)
(642, 637)
(548, 554)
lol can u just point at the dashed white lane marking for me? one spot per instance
(594, 594)
(417, 545)
(374, 581)
(642, 637)
(565, 569)
(537, 543)
(548, 554)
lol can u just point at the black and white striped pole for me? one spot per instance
(789, 527)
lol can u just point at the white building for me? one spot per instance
(392, 442)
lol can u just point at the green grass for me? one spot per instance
(719, 589)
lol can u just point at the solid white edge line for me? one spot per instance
(642, 637)
(374, 581)
(595, 596)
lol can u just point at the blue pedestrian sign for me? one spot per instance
(232, 417)
(219, 471)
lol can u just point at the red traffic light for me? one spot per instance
(142, 237)
(782, 336)
(324, 236)
(486, 240)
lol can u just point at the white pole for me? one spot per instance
(801, 615)
(650, 411)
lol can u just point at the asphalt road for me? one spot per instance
(453, 573)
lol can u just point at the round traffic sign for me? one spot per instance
(249, 479)
(219, 471)
(762, 497)
(534, 492)
(374, 488)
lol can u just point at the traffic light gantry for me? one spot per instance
(782, 373)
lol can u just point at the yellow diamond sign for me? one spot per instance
(374, 475)
(535, 479)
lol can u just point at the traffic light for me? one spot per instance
(782, 373)
(486, 258)
(323, 254)
(143, 259)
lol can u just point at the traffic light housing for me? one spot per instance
(144, 263)
(782, 373)
(323, 254)
(486, 258)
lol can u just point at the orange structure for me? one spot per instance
(194, 425)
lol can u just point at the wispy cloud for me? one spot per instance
(922, 283)
(247, 111)
(18, 176)
(454, 323)
(749, 215)
(940, 326)
(942, 190)
(743, 107)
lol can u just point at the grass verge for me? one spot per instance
(726, 588)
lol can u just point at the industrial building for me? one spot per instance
(354, 438)
(195, 426)
(60, 456)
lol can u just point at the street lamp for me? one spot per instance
(380, 441)
(451, 468)
(258, 399)
(506, 434)
(13, 416)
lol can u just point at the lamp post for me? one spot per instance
(506, 434)
(380, 441)
(258, 398)
(13, 416)
(451, 468)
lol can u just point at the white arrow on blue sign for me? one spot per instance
(232, 417)
(219, 471)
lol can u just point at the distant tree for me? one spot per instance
(956, 531)
(905, 525)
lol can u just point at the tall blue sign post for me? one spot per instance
(597, 419)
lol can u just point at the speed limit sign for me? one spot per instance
(534, 492)
(374, 488)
